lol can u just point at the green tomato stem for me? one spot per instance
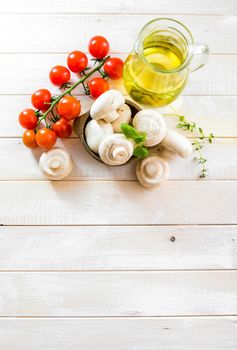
(68, 91)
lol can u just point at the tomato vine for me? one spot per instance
(69, 90)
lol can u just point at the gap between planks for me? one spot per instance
(117, 13)
(123, 272)
(117, 180)
(117, 271)
(116, 225)
(198, 179)
(147, 317)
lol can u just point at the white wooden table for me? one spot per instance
(89, 263)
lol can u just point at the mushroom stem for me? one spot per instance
(54, 163)
(106, 105)
(111, 116)
(152, 171)
(116, 149)
(119, 152)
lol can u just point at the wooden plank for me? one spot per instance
(27, 75)
(124, 333)
(118, 293)
(213, 113)
(51, 27)
(117, 248)
(121, 6)
(216, 114)
(86, 168)
(122, 203)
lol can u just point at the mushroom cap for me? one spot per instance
(152, 123)
(125, 116)
(56, 163)
(177, 143)
(152, 171)
(115, 149)
(96, 132)
(105, 106)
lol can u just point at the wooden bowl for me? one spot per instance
(79, 126)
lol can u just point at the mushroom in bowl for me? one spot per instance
(124, 111)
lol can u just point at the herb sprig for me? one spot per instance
(198, 141)
(140, 151)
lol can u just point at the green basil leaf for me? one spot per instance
(132, 133)
(128, 131)
(140, 152)
(140, 138)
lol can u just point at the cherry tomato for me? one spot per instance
(77, 61)
(41, 99)
(28, 119)
(98, 46)
(114, 68)
(62, 128)
(59, 75)
(28, 139)
(46, 138)
(98, 86)
(69, 107)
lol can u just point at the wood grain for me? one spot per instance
(118, 293)
(128, 334)
(86, 168)
(152, 241)
(214, 113)
(121, 6)
(218, 77)
(117, 248)
(121, 202)
(122, 36)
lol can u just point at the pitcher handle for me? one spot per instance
(200, 56)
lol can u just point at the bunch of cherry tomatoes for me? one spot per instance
(68, 107)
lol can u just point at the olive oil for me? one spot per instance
(151, 75)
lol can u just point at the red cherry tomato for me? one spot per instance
(62, 128)
(41, 99)
(59, 75)
(98, 46)
(114, 68)
(98, 86)
(28, 139)
(45, 138)
(77, 61)
(28, 119)
(69, 107)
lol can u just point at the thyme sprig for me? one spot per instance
(198, 141)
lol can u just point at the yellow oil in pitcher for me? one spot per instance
(151, 75)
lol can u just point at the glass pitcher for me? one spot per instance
(156, 71)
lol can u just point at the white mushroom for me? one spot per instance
(106, 105)
(152, 123)
(125, 115)
(177, 143)
(56, 163)
(165, 153)
(96, 132)
(115, 149)
(152, 171)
